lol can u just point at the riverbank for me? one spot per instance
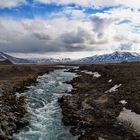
(102, 96)
(43, 110)
(15, 78)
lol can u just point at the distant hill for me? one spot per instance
(114, 57)
(4, 56)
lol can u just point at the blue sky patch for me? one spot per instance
(125, 21)
(31, 10)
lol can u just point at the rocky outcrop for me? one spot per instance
(92, 112)
(12, 108)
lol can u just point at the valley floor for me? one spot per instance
(105, 102)
(15, 78)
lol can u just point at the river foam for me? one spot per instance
(44, 112)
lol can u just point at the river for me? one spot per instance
(44, 112)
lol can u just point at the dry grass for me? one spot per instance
(12, 109)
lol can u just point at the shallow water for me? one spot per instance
(44, 111)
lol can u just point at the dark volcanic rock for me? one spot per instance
(14, 78)
(92, 112)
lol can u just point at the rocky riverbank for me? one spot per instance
(15, 78)
(100, 93)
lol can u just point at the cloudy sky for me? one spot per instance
(69, 28)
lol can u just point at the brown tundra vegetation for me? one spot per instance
(15, 78)
(99, 94)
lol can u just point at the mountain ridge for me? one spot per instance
(115, 57)
(13, 59)
(4, 56)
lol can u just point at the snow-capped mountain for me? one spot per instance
(114, 57)
(4, 56)
(50, 60)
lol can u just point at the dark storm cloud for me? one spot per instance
(33, 37)
(39, 35)
(42, 36)
(80, 36)
(71, 38)
(31, 44)
(101, 24)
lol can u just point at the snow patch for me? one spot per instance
(123, 102)
(109, 81)
(113, 89)
(87, 72)
(95, 74)
(101, 138)
(131, 118)
(4, 56)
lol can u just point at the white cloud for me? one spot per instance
(101, 25)
(78, 33)
(40, 35)
(11, 3)
(95, 3)
(88, 3)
